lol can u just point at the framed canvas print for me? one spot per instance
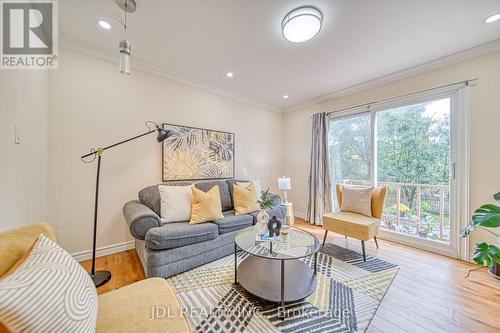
(192, 153)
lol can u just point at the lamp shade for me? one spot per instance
(162, 134)
(284, 183)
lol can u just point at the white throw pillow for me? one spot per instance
(175, 204)
(49, 292)
(357, 200)
(256, 185)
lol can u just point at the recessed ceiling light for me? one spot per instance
(285, 96)
(301, 24)
(493, 18)
(104, 24)
(229, 74)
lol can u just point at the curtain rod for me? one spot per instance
(467, 83)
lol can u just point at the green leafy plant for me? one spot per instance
(425, 207)
(266, 201)
(486, 216)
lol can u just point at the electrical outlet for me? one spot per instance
(17, 134)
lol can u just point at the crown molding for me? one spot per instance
(110, 56)
(454, 58)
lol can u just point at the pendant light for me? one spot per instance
(128, 6)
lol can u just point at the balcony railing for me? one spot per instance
(420, 210)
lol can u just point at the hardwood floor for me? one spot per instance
(429, 294)
(125, 268)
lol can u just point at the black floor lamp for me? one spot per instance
(101, 277)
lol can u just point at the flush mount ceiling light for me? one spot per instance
(285, 96)
(302, 24)
(229, 74)
(493, 18)
(104, 24)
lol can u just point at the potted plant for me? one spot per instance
(265, 203)
(486, 217)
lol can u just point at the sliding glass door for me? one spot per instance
(406, 146)
(350, 150)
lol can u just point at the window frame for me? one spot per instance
(459, 155)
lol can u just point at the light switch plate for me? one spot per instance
(17, 134)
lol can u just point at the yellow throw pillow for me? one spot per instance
(205, 206)
(245, 199)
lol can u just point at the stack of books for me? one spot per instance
(266, 238)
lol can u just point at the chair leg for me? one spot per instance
(376, 243)
(363, 248)
(324, 238)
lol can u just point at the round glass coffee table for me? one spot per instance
(272, 270)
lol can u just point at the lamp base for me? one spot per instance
(101, 277)
(285, 197)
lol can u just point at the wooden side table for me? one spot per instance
(289, 217)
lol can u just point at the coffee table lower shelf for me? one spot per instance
(276, 280)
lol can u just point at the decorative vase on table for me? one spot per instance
(274, 226)
(265, 203)
(261, 224)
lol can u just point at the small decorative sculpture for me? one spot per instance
(274, 227)
(266, 202)
(261, 224)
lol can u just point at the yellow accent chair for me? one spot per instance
(127, 309)
(355, 225)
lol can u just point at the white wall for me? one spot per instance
(93, 105)
(484, 128)
(23, 167)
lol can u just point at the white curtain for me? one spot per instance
(320, 188)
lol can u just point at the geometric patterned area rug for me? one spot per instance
(347, 296)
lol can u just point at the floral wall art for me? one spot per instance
(194, 153)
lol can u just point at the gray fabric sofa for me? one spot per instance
(172, 248)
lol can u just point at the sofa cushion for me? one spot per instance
(245, 199)
(352, 225)
(129, 309)
(232, 222)
(150, 196)
(205, 206)
(256, 185)
(175, 203)
(230, 183)
(225, 196)
(277, 211)
(16, 242)
(172, 235)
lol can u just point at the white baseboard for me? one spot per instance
(300, 215)
(104, 251)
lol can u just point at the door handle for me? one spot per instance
(451, 170)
